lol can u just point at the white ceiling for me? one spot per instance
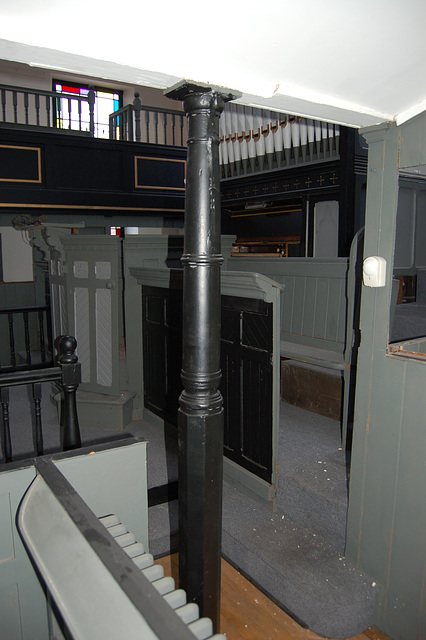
(356, 63)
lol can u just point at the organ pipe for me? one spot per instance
(254, 139)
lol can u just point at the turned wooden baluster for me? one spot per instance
(11, 339)
(27, 338)
(137, 106)
(5, 436)
(38, 432)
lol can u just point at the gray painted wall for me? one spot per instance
(386, 534)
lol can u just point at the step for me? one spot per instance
(305, 576)
(325, 516)
(313, 486)
(188, 612)
(296, 554)
(297, 569)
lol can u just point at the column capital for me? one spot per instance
(184, 88)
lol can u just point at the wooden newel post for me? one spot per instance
(200, 420)
(71, 378)
(137, 106)
(91, 100)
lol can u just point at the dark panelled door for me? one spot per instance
(162, 350)
(246, 362)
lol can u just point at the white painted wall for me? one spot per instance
(353, 63)
(25, 75)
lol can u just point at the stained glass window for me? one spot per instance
(74, 114)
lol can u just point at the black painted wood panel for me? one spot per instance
(246, 362)
(60, 173)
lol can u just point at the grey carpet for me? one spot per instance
(313, 474)
(409, 321)
(294, 555)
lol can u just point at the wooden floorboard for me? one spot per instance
(247, 614)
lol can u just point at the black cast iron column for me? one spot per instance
(201, 405)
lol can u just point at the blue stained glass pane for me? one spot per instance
(84, 92)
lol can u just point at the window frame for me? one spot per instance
(87, 86)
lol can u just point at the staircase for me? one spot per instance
(295, 555)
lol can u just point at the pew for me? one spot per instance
(319, 311)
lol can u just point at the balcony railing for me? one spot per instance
(153, 125)
(21, 106)
(251, 139)
(67, 375)
(29, 333)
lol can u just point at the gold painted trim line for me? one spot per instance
(17, 205)
(265, 213)
(157, 187)
(38, 149)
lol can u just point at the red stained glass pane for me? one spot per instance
(70, 89)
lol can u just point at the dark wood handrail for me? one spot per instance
(126, 120)
(129, 131)
(32, 112)
(6, 310)
(42, 92)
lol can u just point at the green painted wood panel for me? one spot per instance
(113, 481)
(323, 291)
(309, 307)
(313, 303)
(23, 612)
(413, 142)
(110, 480)
(298, 307)
(408, 545)
(94, 286)
(286, 318)
(387, 501)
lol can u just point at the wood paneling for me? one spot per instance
(246, 364)
(387, 515)
(61, 173)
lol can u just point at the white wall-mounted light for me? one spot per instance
(374, 271)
